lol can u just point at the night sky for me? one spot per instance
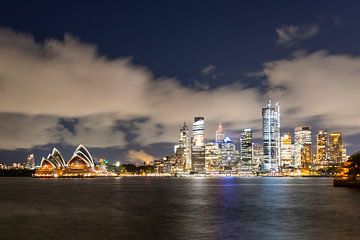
(122, 76)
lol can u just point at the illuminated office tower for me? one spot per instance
(322, 148)
(229, 155)
(246, 163)
(335, 148)
(212, 157)
(302, 135)
(271, 137)
(183, 149)
(344, 156)
(30, 162)
(220, 134)
(198, 145)
(306, 156)
(258, 154)
(287, 150)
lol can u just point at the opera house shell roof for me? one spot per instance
(80, 164)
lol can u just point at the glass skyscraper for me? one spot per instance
(322, 148)
(271, 137)
(183, 149)
(335, 148)
(198, 145)
(220, 134)
(287, 150)
(302, 136)
(246, 163)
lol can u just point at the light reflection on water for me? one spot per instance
(178, 208)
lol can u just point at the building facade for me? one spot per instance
(302, 135)
(220, 134)
(257, 153)
(271, 137)
(322, 148)
(183, 149)
(198, 145)
(230, 156)
(287, 151)
(212, 157)
(246, 163)
(335, 148)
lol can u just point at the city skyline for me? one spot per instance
(124, 99)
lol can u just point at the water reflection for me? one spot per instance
(176, 208)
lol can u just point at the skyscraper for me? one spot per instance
(220, 134)
(229, 155)
(287, 150)
(258, 154)
(183, 149)
(198, 145)
(302, 135)
(335, 148)
(30, 162)
(306, 156)
(322, 148)
(344, 156)
(212, 157)
(246, 163)
(271, 137)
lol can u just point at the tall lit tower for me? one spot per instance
(198, 145)
(322, 148)
(30, 162)
(246, 149)
(335, 148)
(185, 146)
(271, 137)
(219, 134)
(287, 150)
(302, 136)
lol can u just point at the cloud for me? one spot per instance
(63, 91)
(290, 35)
(140, 156)
(208, 69)
(319, 88)
(201, 85)
(68, 79)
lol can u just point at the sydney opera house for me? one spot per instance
(81, 164)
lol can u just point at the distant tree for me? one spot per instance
(333, 170)
(130, 168)
(354, 167)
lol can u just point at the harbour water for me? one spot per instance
(178, 208)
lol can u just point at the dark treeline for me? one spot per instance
(16, 172)
(131, 168)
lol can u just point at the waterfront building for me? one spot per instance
(164, 165)
(302, 135)
(322, 148)
(287, 151)
(335, 148)
(183, 149)
(257, 153)
(230, 157)
(344, 156)
(246, 163)
(220, 134)
(271, 137)
(198, 145)
(30, 162)
(306, 156)
(51, 166)
(212, 157)
(81, 164)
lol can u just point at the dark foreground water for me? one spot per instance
(176, 208)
